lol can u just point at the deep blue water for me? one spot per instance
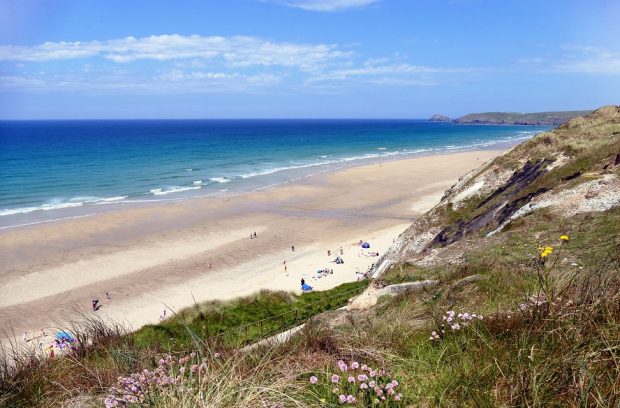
(48, 165)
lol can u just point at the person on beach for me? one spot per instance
(210, 266)
(162, 316)
(341, 250)
(107, 295)
(302, 281)
(95, 304)
(254, 234)
(285, 269)
(329, 253)
(293, 248)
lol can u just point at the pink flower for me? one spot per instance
(394, 383)
(342, 366)
(351, 379)
(342, 399)
(335, 378)
(372, 373)
(364, 367)
(397, 397)
(372, 383)
(194, 368)
(313, 380)
(362, 377)
(363, 386)
(355, 365)
(390, 391)
(350, 399)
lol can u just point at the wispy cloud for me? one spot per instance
(176, 63)
(589, 60)
(240, 51)
(326, 5)
(381, 71)
(577, 59)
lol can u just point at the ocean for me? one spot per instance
(58, 169)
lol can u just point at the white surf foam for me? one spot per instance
(172, 190)
(220, 179)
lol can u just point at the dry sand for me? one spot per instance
(157, 257)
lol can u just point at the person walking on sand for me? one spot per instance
(341, 250)
(254, 234)
(107, 295)
(293, 248)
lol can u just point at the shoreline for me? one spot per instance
(155, 257)
(18, 219)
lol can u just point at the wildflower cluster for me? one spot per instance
(455, 322)
(181, 374)
(360, 384)
(544, 252)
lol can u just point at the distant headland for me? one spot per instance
(513, 118)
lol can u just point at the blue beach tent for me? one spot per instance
(366, 245)
(63, 335)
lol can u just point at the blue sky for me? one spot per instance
(305, 58)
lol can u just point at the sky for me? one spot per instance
(148, 59)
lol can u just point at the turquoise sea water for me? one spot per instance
(51, 169)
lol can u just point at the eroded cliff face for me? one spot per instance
(572, 169)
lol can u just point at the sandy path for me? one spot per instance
(158, 256)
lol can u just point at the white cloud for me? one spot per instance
(326, 5)
(240, 51)
(381, 72)
(589, 60)
(176, 63)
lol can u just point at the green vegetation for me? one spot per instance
(242, 320)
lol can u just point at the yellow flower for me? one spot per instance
(549, 249)
(564, 237)
(544, 254)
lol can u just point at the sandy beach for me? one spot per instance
(166, 256)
